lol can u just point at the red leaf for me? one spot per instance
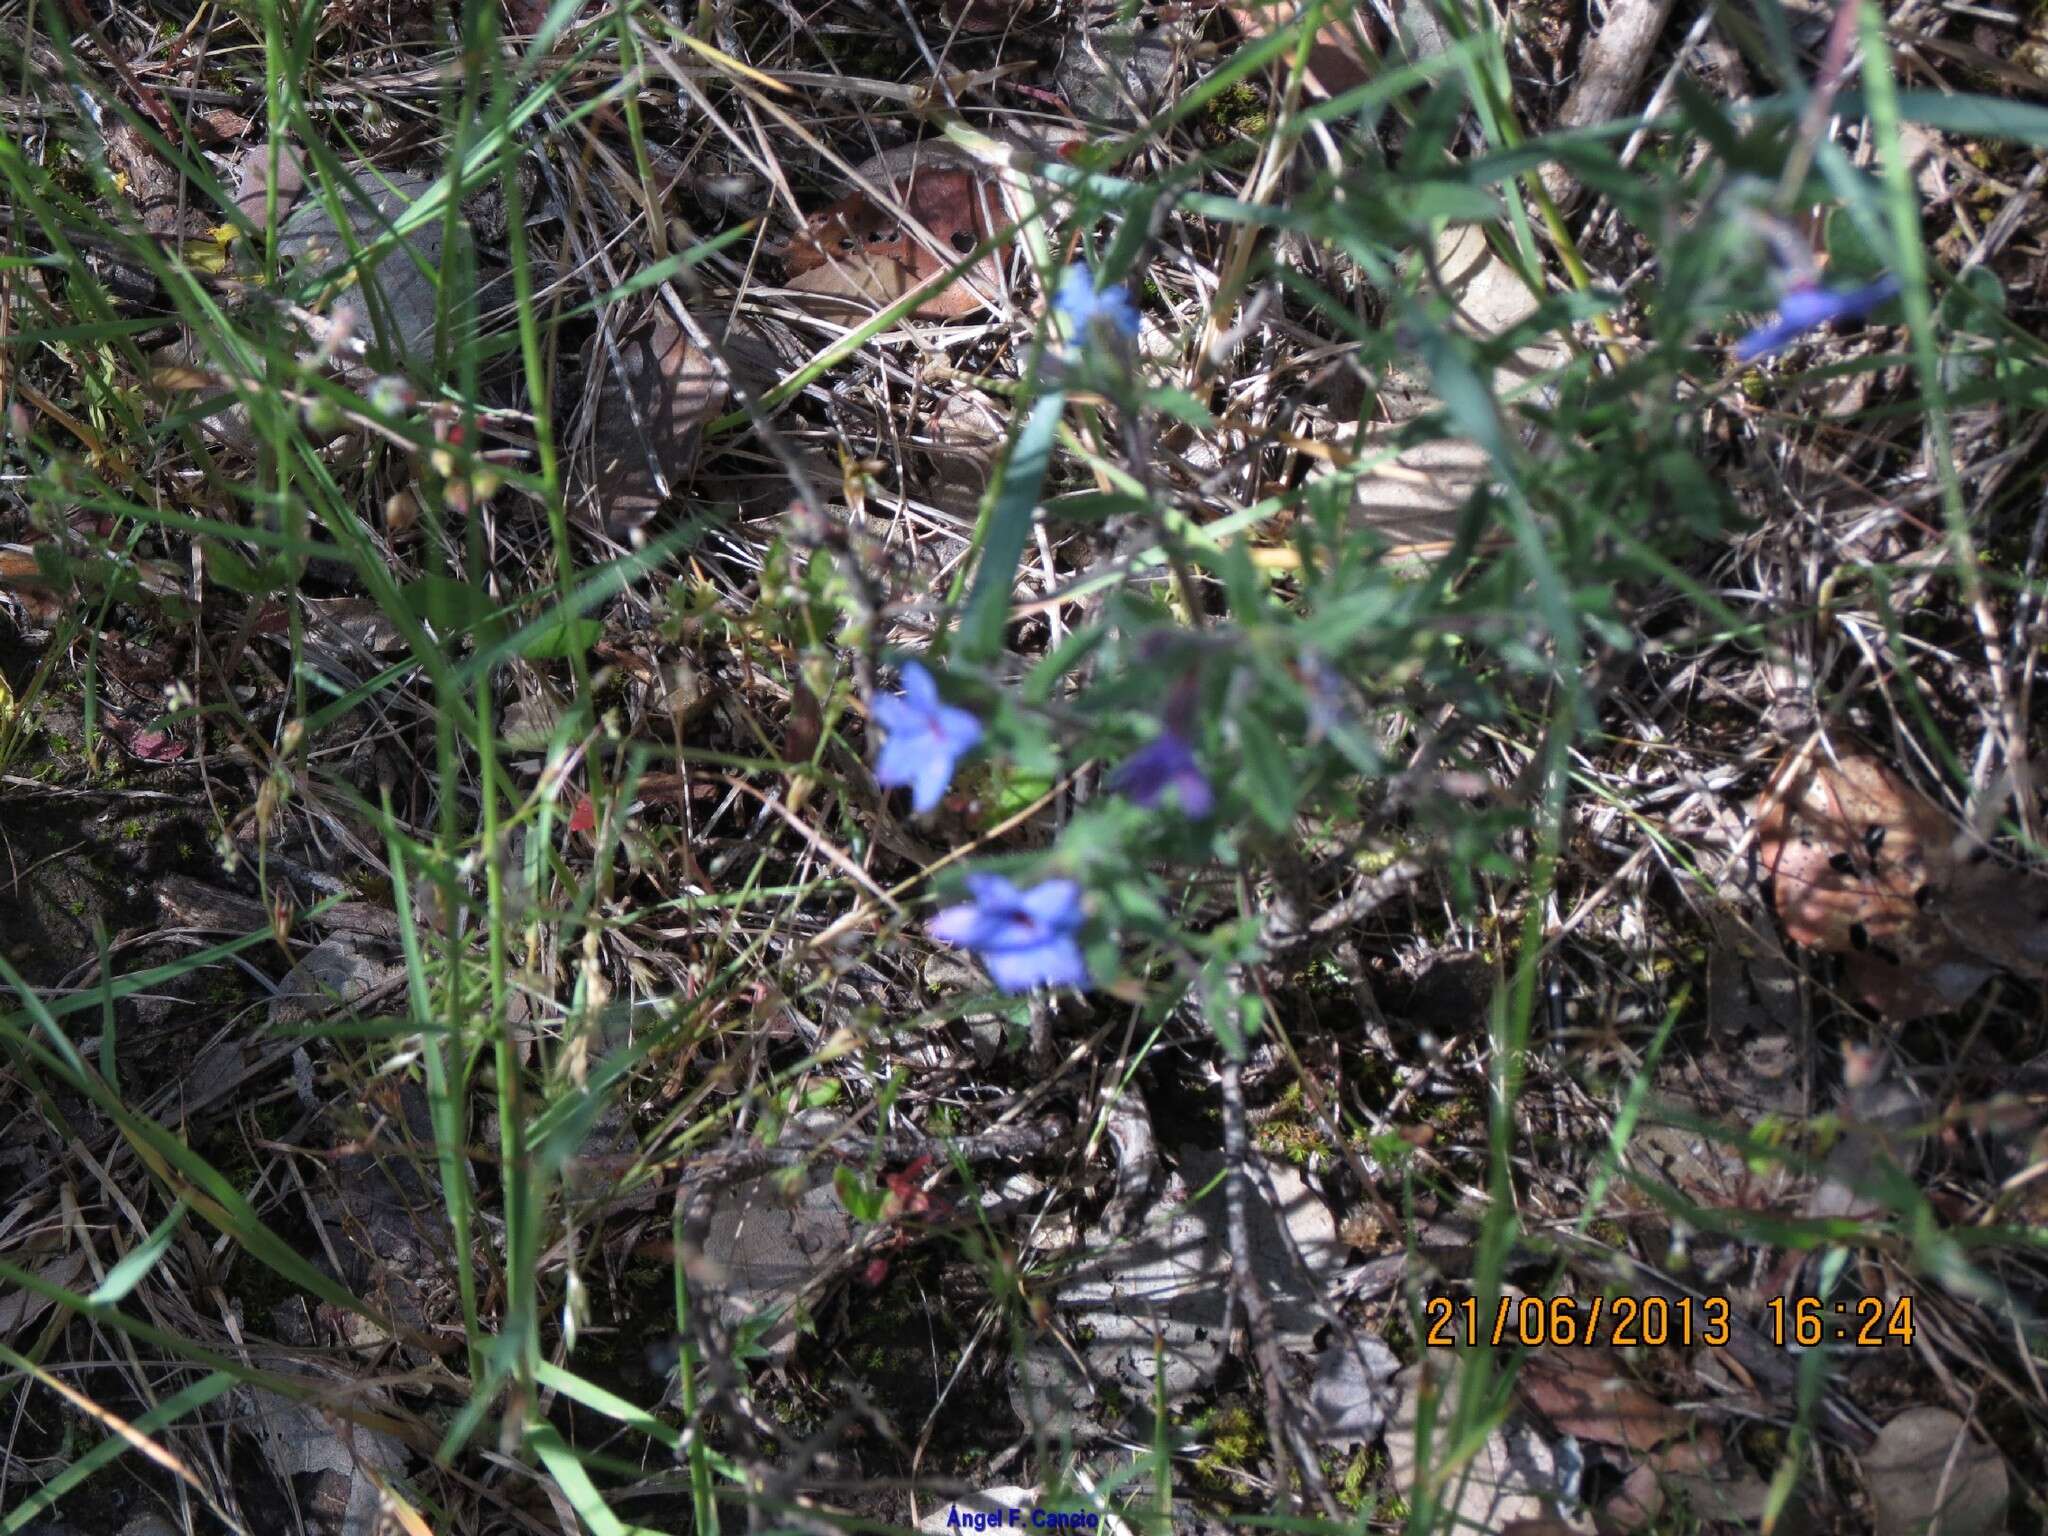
(151, 746)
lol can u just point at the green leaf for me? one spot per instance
(610, 1404)
(1181, 406)
(1012, 787)
(575, 1484)
(821, 1093)
(1008, 530)
(1270, 779)
(166, 1413)
(1976, 117)
(1092, 506)
(450, 606)
(559, 641)
(862, 1200)
(226, 566)
(140, 1260)
(1424, 203)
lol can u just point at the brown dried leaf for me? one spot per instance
(977, 16)
(1849, 846)
(650, 418)
(1928, 1472)
(153, 185)
(1336, 63)
(1585, 1393)
(177, 376)
(860, 249)
(19, 1308)
(1864, 865)
(966, 434)
(220, 125)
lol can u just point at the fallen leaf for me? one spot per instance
(1586, 1393)
(1512, 1476)
(1879, 1113)
(977, 16)
(153, 185)
(146, 743)
(1850, 847)
(1336, 61)
(20, 1307)
(333, 1454)
(351, 623)
(1349, 1394)
(331, 975)
(1926, 1467)
(219, 125)
(1863, 865)
(768, 1241)
(390, 302)
(966, 438)
(862, 249)
(805, 725)
(651, 409)
(1121, 69)
(1151, 1305)
(179, 376)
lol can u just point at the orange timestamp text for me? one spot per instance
(1867, 1322)
(1618, 1322)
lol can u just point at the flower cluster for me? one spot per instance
(1025, 938)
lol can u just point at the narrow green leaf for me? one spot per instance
(162, 1416)
(1008, 529)
(610, 1404)
(140, 1260)
(576, 1485)
(571, 637)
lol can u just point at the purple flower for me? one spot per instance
(1025, 938)
(926, 738)
(1166, 766)
(1081, 305)
(1804, 308)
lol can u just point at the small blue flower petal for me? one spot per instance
(993, 891)
(1058, 962)
(1164, 767)
(919, 686)
(964, 927)
(1080, 305)
(1055, 903)
(924, 739)
(1025, 938)
(1804, 309)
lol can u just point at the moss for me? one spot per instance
(1241, 109)
(1237, 1445)
(1611, 1233)
(1292, 1131)
(1355, 1483)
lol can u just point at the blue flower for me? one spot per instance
(1025, 938)
(1804, 308)
(1080, 305)
(926, 738)
(1166, 766)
